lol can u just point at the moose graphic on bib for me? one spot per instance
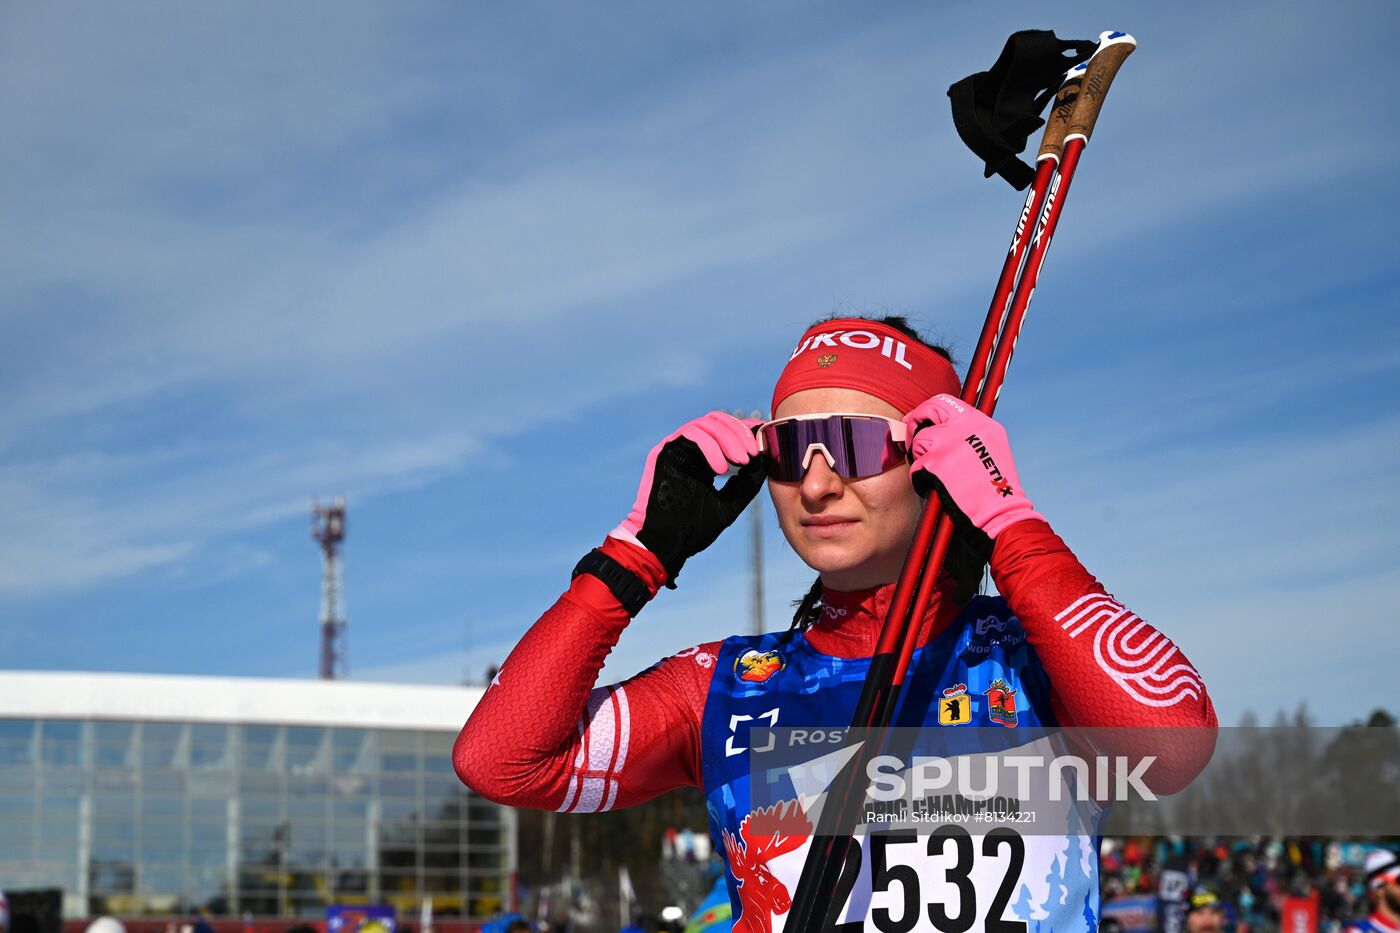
(760, 891)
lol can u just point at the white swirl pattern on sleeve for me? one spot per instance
(1151, 670)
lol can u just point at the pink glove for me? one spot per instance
(964, 456)
(679, 512)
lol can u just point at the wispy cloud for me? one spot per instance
(59, 532)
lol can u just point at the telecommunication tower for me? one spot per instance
(328, 528)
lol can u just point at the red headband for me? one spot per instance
(853, 353)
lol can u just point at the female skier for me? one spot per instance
(866, 421)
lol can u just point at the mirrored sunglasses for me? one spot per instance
(853, 445)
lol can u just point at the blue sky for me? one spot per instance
(466, 264)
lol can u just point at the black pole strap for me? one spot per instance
(996, 111)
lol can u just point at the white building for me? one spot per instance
(142, 794)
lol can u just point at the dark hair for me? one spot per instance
(967, 556)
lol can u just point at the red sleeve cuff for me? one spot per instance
(1025, 552)
(594, 593)
(645, 564)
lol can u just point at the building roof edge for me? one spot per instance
(188, 698)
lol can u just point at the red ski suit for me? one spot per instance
(543, 737)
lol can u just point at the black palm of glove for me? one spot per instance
(679, 512)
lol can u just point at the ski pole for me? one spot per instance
(1066, 134)
(828, 854)
(1098, 73)
(829, 850)
(1079, 101)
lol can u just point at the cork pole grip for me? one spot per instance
(1052, 144)
(1098, 75)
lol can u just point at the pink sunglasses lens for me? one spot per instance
(859, 446)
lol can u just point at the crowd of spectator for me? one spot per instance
(1251, 877)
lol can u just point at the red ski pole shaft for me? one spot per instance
(1077, 108)
(905, 596)
(814, 900)
(1052, 145)
(935, 530)
(1098, 74)
(1010, 269)
(891, 658)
